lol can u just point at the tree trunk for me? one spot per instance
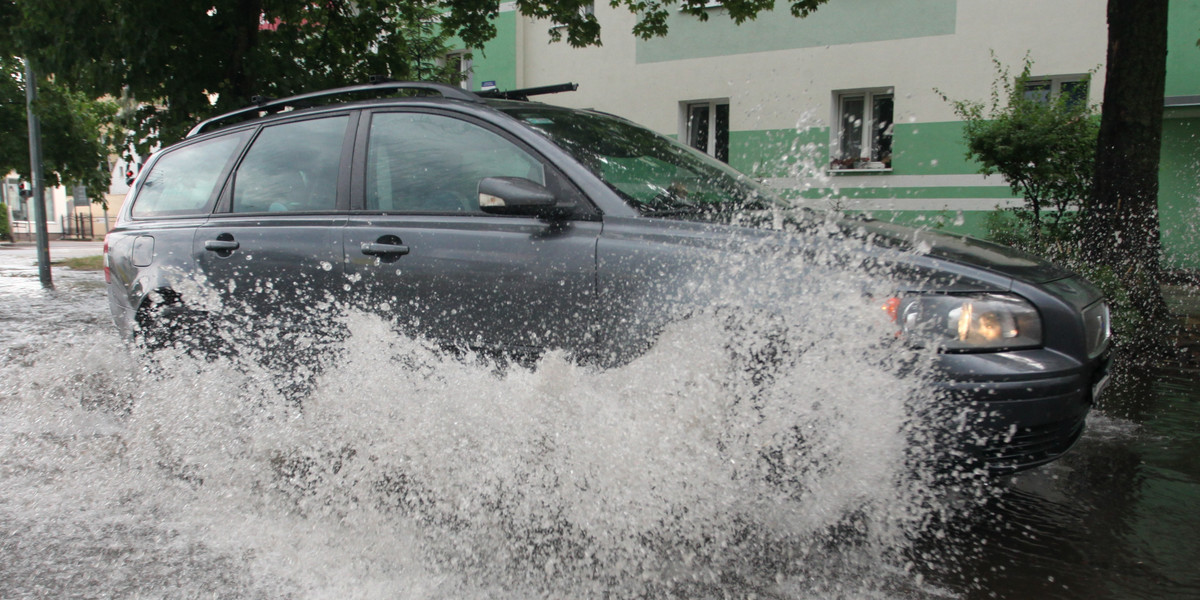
(241, 80)
(1121, 228)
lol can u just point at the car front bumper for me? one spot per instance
(1018, 410)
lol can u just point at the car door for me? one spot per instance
(419, 247)
(273, 246)
(149, 252)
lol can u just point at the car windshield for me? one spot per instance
(655, 174)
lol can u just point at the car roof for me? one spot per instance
(264, 107)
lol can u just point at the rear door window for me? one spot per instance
(185, 180)
(292, 168)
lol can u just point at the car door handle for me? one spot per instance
(221, 245)
(378, 249)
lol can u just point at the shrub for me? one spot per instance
(1044, 147)
(5, 229)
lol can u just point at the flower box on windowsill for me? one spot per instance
(858, 166)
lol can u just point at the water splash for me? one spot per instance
(406, 471)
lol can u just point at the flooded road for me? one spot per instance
(408, 474)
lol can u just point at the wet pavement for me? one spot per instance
(59, 249)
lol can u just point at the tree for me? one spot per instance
(189, 59)
(179, 62)
(1122, 228)
(5, 229)
(75, 139)
(1044, 147)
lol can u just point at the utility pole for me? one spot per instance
(35, 173)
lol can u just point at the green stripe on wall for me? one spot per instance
(967, 222)
(839, 22)
(920, 149)
(1179, 193)
(497, 61)
(931, 149)
(938, 149)
(990, 192)
(778, 152)
(1183, 56)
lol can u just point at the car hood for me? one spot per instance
(959, 249)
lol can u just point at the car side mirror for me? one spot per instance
(517, 196)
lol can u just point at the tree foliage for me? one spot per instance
(5, 226)
(472, 19)
(174, 63)
(76, 140)
(189, 59)
(1044, 147)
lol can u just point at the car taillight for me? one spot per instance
(107, 272)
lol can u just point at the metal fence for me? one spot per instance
(80, 226)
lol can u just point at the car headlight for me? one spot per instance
(1096, 325)
(964, 322)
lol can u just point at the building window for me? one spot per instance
(584, 11)
(16, 200)
(10, 192)
(863, 136)
(706, 127)
(1074, 88)
(461, 61)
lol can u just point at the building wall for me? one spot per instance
(780, 76)
(21, 215)
(61, 213)
(1179, 167)
(1179, 189)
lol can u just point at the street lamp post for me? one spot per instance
(35, 173)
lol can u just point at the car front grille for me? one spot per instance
(1031, 446)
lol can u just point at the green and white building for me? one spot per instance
(845, 108)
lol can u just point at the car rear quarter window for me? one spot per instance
(291, 167)
(184, 180)
(432, 163)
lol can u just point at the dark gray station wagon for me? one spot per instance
(520, 227)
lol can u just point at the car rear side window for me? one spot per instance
(184, 180)
(291, 167)
(432, 163)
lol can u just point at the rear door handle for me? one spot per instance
(378, 249)
(221, 245)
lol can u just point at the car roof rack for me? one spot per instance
(525, 93)
(262, 104)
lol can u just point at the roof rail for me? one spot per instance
(525, 93)
(262, 104)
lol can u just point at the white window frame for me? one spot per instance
(465, 66)
(707, 5)
(586, 9)
(685, 109)
(1056, 82)
(861, 162)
